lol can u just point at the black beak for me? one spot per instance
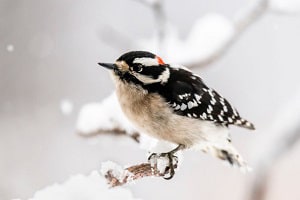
(110, 66)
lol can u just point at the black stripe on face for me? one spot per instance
(153, 71)
(129, 78)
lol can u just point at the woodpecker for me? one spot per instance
(170, 102)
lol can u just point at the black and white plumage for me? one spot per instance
(189, 96)
(171, 103)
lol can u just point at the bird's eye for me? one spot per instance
(138, 68)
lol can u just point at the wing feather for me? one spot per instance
(188, 96)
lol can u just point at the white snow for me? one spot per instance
(289, 6)
(91, 187)
(208, 35)
(106, 115)
(162, 163)
(66, 106)
(10, 48)
(117, 171)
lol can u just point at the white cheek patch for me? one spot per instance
(163, 78)
(146, 61)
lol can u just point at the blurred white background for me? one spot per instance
(48, 69)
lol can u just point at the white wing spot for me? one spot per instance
(213, 101)
(190, 104)
(210, 92)
(195, 103)
(189, 115)
(177, 107)
(183, 107)
(238, 122)
(222, 112)
(194, 115)
(209, 109)
(225, 108)
(248, 124)
(220, 118)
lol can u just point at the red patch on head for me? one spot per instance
(159, 60)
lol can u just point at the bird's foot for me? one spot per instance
(165, 163)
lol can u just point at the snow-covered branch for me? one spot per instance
(250, 14)
(117, 132)
(243, 19)
(117, 175)
(211, 36)
(104, 117)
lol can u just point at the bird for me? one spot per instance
(171, 103)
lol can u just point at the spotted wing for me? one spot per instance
(190, 97)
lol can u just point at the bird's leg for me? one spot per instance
(172, 160)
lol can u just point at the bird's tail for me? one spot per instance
(230, 154)
(245, 124)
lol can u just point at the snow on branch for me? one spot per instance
(213, 35)
(104, 117)
(250, 14)
(117, 175)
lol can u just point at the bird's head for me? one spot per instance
(139, 67)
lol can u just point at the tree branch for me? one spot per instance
(242, 22)
(117, 132)
(132, 173)
(159, 18)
